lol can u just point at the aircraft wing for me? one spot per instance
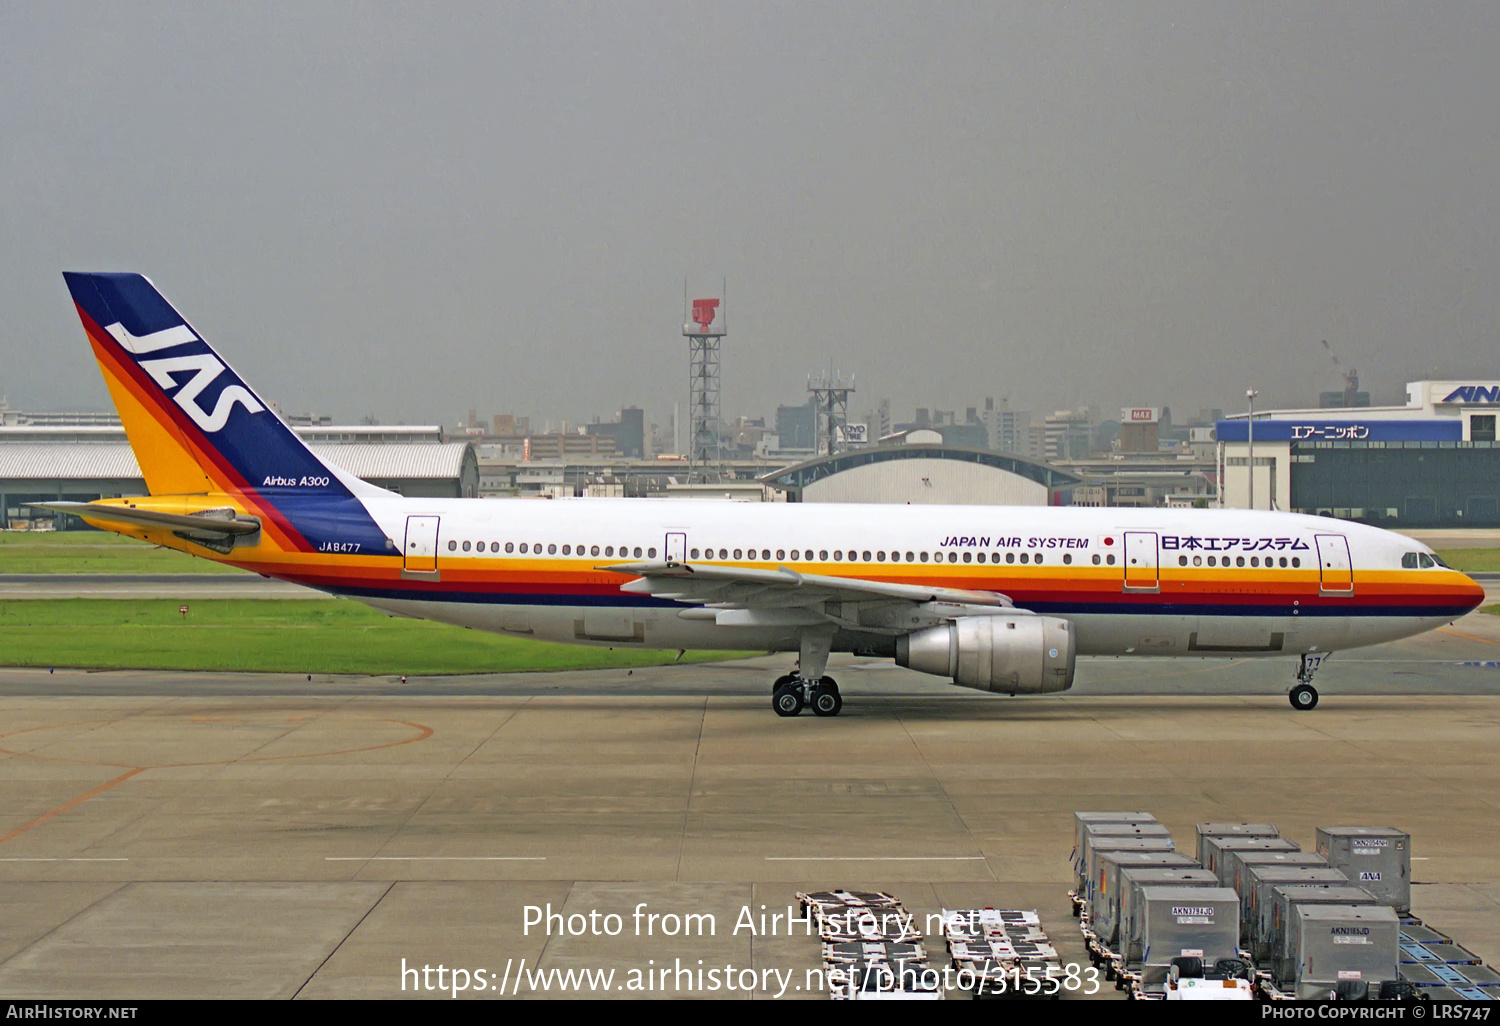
(744, 596)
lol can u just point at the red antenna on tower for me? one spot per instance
(704, 312)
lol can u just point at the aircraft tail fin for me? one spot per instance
(198, 428)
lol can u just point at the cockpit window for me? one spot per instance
(1439, 561)
(1427, 562)
(1409, 560)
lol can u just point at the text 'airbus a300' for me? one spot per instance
(999, 599)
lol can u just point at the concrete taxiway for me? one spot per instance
(179, 835)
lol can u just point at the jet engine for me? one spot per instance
(1007, 653)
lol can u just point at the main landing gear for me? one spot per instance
(808, 686)
(1303, 695)
(791, 693)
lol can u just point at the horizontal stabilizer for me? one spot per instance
(223, 521)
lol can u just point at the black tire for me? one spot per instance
(826, 700)
(782, 682)
(1303, 697)
(787, 701)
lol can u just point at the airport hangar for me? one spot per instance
(927, 474)
(1432, 463)
(80, 463)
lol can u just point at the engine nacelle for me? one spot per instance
(1010, 654)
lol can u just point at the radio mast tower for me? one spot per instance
(705, 332)
(832, 396)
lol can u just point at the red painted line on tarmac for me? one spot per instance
(73, 803)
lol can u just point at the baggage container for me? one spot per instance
(1104, 908)
(1241, 859)
(1215, 849)
(1375, 858)
(1132, 880)
(1187, 922)
(1274, 911)
(1096, 832)
(1083, 820)
(1333, 944)
(1088, 871)
(1233, 830)
(1260, 879)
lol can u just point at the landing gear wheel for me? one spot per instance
(787, 701)
(1303, 697)
(782, 682)
(826, 700)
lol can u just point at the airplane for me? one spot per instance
(1000, 599)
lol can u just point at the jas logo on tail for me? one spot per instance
(206, 368)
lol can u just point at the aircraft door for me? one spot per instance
(676, 547)
(1140, 561)
(1335, 569)
(420, 553)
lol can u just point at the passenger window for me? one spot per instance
(637, 552)
(510, 546)
(780, 555)
(1211, 561)
(980, 557)
(1037, 558)
(523, 548)
(1197, 560)
(736, 553)
(1239, 560)
(1283, 561)
(593, 550)
(865, 556)
(1182, 558)
(1409, 560)
(838, 554)
(1010, 557)
(453, 546)
(880, 556)
(693, 554)
(1296, 561)
(765, 554)
(551, 550)
(1255, 561)
(1067, 558)
(823, 555)
(953, 557)
(910, 560)
(567, 550)
(994, 557)
(968, 557)
(794, 555)
(923, 557)
(609, 550)
(1110, 559)
(1024, 557)
(651, 553)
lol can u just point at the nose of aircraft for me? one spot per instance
(1472, 592)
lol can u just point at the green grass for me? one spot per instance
(94, 552)
(1492, 610)
(1471, 559)
(286, 636)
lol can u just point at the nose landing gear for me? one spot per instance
(1303, 695)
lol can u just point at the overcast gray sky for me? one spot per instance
(408, 210)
